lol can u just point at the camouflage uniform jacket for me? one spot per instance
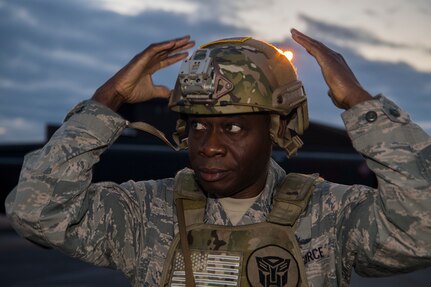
(130, 226)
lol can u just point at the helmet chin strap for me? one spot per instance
(180, 128)
(281, 136)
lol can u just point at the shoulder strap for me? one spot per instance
(187, 198)
(292, 197)
(194, 201)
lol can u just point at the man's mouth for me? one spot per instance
(212, 174)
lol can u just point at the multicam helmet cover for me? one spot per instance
(243, 75)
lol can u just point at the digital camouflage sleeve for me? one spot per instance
(130, 226)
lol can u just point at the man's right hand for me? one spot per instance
(133, 83)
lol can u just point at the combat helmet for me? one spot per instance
(243, 75)
(234, 76)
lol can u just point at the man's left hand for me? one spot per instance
(344, 89)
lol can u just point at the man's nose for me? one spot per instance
(213, 144)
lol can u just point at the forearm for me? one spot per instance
(108, 96)
(391, 227)
(396, 149)
(53, 181)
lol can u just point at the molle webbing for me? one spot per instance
(194, 201)
(292, 198)
(272, 242)
(289, 201)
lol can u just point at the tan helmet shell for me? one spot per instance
(243, 75)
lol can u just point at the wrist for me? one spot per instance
(358, 98)
(109, 97)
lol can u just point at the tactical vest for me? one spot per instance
(262, 254)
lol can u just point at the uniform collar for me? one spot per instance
(215, 214)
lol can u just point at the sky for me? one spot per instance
(54, 54)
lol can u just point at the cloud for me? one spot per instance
(17, 129)
(68, 56)
(55, 54)
(135, 7)
(357, 35)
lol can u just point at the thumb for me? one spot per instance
(161, 91)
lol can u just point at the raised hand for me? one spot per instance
(133, 83)
(344, 89)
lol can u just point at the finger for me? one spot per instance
(313, 47)
(181, 42)
(157, 49)
(161, 91)
(175, 49)
(165, 45)
(185, 46)
(173, 45)
(173, 55)
(301, 38)
(170, 60)
(167, 55)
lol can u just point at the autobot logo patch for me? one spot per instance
(272, 266)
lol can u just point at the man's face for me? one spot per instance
(230, 154)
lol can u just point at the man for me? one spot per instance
(134, 226)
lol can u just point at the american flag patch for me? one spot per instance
(210, 268)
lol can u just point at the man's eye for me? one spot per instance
(233, 128)
(198, 126)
